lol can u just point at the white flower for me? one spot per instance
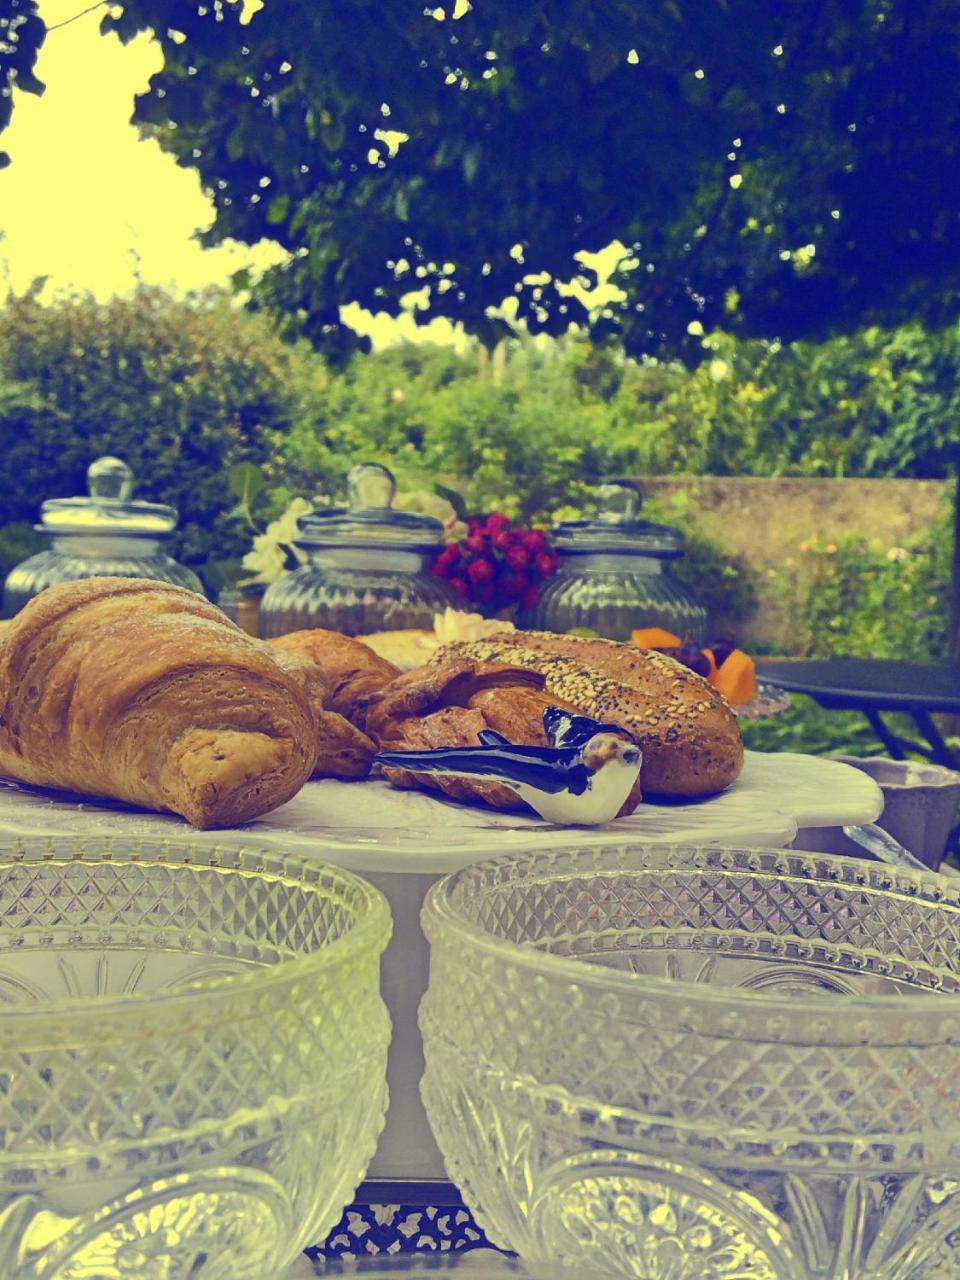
(897, 553)
(267, 560)
(426, 504)
(268, 557)
(285, 528)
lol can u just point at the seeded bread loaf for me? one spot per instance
(688, 732)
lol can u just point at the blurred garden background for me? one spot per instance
(238, 383)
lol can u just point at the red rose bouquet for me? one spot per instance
(498, 566)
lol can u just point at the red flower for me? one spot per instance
(497, 565)
(513, 585)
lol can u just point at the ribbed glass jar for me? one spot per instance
(355, 592)
(614, 575)
(103, 535)
(613, 595)
(70, 557)
(367, 567)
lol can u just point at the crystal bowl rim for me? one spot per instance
(370, 933)
(438, 912)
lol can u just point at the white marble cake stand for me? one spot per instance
(404, 841)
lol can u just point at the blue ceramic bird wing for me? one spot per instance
(547, 769)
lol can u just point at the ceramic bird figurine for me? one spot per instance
(583, 779)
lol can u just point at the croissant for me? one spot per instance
(146, 693)
(686, 730)
(351, 671)
(343, 750)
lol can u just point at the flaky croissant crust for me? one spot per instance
(145, 692)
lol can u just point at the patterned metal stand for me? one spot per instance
(403, 1217)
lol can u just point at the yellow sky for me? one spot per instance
(89, 205)
(85, 201)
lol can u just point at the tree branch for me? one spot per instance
(82, 14)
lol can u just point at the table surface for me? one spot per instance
(884, 684)
(371, 828)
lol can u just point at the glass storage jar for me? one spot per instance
(367, 567)
(102, 535)
(613, 575)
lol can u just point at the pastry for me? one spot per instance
(404, 649)
(350, 670)
(146, 693)
(451, 704)
(587, 776)
(412, 648)
(687, 731)
(343, 750)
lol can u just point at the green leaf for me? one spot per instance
(278, 208)
(471, 163)
(455, 499)
(29, 83)
(245, 482)
(333, 135)
(221, 575)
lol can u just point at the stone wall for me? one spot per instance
(765, 520)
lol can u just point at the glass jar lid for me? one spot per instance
(108, 509)
(369, 520)
(617, 528)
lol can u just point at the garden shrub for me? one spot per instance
(181, 389)
(857, 597)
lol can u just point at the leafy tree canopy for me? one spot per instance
(21, 34)
(782, 169)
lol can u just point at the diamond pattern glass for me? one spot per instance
(688, 1064)
(192, 1057)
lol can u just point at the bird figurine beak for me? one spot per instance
(584, 778)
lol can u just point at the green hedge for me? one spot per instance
(531, 432)
(181, 389)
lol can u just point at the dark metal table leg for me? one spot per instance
(892, 743)
(940, 753)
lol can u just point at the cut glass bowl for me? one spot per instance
(695, 1064)
(192, 1058)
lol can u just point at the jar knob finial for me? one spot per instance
(618, 502)
(370, 487)
(109, 480)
